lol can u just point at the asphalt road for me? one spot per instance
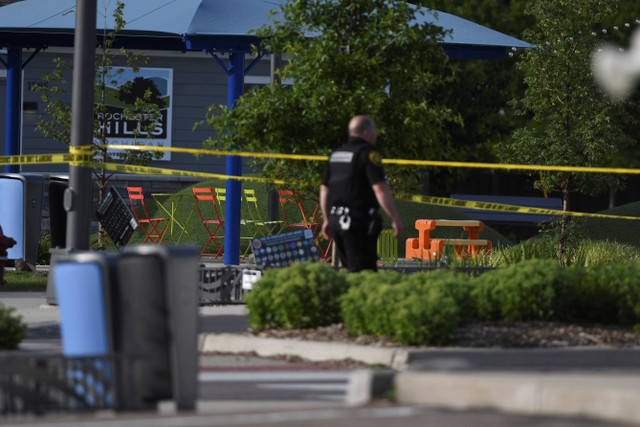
(372, 416)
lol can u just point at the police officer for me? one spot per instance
(353, 188)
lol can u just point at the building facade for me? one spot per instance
(195, 82)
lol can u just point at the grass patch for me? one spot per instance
(409, 213)
(24, 281)
(618, 230)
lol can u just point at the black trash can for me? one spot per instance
(155, 316)
(57, 213)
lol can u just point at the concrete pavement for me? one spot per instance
(602, 383)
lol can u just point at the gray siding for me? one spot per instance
(198, 81)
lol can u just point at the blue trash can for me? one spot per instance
(21, 213)
(83, 297)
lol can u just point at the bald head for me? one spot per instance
(363, 127)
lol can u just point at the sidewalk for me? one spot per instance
(594, 382)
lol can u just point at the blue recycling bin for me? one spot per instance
(82, 286)
(21, 213)
(83, 298)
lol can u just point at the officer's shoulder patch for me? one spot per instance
(375, 158)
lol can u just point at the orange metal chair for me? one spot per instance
(212, 225)
(309, 216)
(155, 227)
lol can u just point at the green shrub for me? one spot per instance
(521, 292)
(452, 283)
(367, 305)
(593, 295)
(611, 294)
(424, 316)
(12, 330)
(305, 295)
(44, 257)
(410, 310)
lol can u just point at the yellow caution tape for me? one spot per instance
(583, 169)
(146, 170)
(472, 204)
(32, 159)
(414, 198)
(200, 152)
(537, 168)
(82, 156)
(84, 150)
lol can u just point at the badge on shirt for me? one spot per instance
(341, 157)
(375, 158)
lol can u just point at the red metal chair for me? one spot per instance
(155, 227)
(211, 224)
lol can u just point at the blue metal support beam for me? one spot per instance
(33, 54)
(253, 64)
(234, 168)
(13, 105)
(235, 72)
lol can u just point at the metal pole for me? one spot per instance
(273, 201)
(234, 168)
(13, 106)
(78, 197)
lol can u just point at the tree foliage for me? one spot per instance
(481, 90)
(571, 122)
(140, 88)
(345, 58)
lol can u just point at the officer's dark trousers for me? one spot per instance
(357, 249)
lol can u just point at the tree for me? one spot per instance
(141, 94)
(571, 122)
(346, 57)
(132, 91)
(480, 90)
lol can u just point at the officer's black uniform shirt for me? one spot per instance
(350, 172)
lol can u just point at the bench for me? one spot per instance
(510, 217)
(426, 248)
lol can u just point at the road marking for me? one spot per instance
(244, 376)
(290, 386)
(245, 419)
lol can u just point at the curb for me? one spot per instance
(393, 357)
(613, 397)
(368, 384)
(452, 382)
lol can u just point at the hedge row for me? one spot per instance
(426, 308)
(12, 329)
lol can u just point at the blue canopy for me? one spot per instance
(219, 25)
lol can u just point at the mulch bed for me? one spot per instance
(483, 334)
